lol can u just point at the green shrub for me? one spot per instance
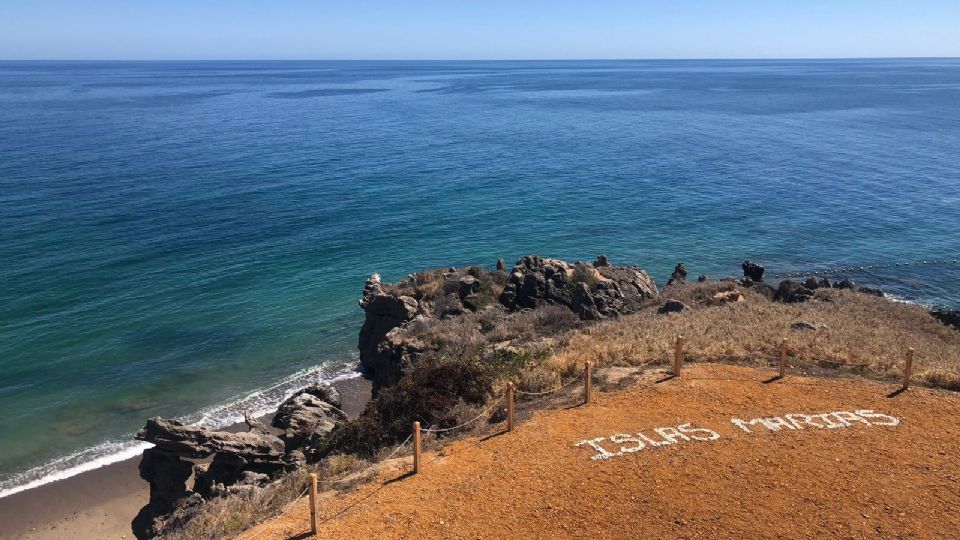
(583, 274)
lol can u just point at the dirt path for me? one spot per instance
(796, 478)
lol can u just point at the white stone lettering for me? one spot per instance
(602, 452)
(622, 438)
(670, 434)
(629, 443)
(699, 434)
(878, 419)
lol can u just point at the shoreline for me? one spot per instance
(100, 503)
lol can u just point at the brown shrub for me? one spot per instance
(430, 393)
(538, 379)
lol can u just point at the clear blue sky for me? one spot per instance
(476, 29)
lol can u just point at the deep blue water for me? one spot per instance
(175, 237)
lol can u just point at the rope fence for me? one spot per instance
(468, 422)
(555, 390)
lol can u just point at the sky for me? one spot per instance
(476, 29)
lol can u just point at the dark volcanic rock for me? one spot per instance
(759, 286)
(871, 291)
(672, 306)
(752, 270)
(679, 275)
(846, 283)
(702, 278)
(601, 261)
(948, 317)
(584, 304)
(792, 293)
(536, 281)
(592, 292)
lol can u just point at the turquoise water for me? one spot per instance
(186, 239)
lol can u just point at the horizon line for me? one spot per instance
(583, 59)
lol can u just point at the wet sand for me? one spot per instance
(99, 504)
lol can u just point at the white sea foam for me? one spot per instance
(259, 402)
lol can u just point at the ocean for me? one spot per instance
(189, 239)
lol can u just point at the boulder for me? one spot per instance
(702, 278)
(949, 317)
(583, 304)
(679, 275)
(601, 261)
(633, 283)
(759, 287)
(501, 265)
(672, 306)
(845, 283)
(307, 413)
(752, 270)
(871, 291)
(792, 293)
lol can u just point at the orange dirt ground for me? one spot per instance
(861, 481)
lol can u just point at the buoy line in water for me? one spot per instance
(863, 268)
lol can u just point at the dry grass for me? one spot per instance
(856, 329)
(226, 517)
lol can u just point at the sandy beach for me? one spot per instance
(99, 504)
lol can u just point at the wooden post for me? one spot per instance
(510, 407)
(678, 357)
(908, 369)
(783, 358)
(313, 503)
(416, 447)
(587, 382)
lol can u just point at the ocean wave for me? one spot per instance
(260, 402)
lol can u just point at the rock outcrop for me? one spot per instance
(753, 271)
(679, 275)
(793, 292)
(186, 441)
(593, 292)
(948, 317)
(238, 462)
(535, 281)
(167, 466)
(384, 312)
